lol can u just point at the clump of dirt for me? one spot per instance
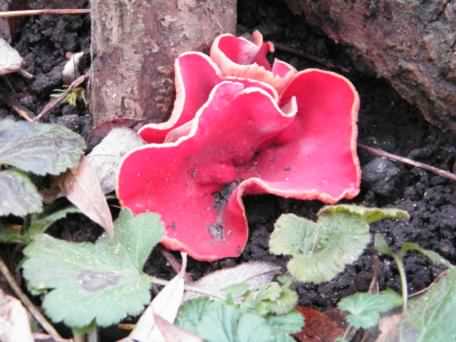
(45, 42)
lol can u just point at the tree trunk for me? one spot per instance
(134, 44)
(410, 43)
(4, 25)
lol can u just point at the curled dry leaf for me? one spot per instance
(254, 274)
(14, 321)
(106, 156)
(71, 69)
(82, 188)
(318, 326)
(11, 61)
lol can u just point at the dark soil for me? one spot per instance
(385, 121)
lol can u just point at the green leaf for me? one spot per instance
(19, 195)
(218, 322)
(382, 246)
(436, 258)
(370, 215)
(39, 148)
(321, 250)
(101, 281)
(365, 308)
(271, 299)
(430, 317)
(38, 225)
(290, 323)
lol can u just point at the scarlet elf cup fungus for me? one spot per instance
(240, 126)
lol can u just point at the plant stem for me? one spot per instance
(349, 333)
(403, 276)
(28, 303)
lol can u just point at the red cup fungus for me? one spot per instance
(241, 126)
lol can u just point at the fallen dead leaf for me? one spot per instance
(165, 304)
(82, 188)
(389, 328)
(254, 274)
(14, 321)
(106, 156)
(172, 333)
(319, 327)
(11, 61)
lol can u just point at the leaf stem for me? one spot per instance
(36, 313)
(403, 277)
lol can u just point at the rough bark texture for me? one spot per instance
(4, 26)
(134, 44)
(411, 43)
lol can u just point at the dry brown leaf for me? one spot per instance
(14, 321)
(318, 327)
(172, 333)
(106, 156)
(82, 188)
(254, 274)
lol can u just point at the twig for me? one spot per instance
(28, 303)
(18, 108)
(26, 13)
(54, 102)
(24, 73)
(374, 286)
(318, 60)
(432, 169)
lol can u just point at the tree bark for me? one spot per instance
(410, 43)
(134, 44)
(4, 25)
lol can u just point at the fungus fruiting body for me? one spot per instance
(241, 126)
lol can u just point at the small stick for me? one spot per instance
(427, 167)
(18, 108)
(318, 60)
(24, 73)
(27, 13)
(54, 102)
(28, 303)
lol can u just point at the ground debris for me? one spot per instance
(11, 61)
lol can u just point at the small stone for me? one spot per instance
(10, 61)
(381, 174)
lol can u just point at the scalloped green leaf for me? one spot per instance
(38, 225)
(218, 322)
(39, 148)
(320, 250)
(101, 281)
(364, 309)
(19, 195)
